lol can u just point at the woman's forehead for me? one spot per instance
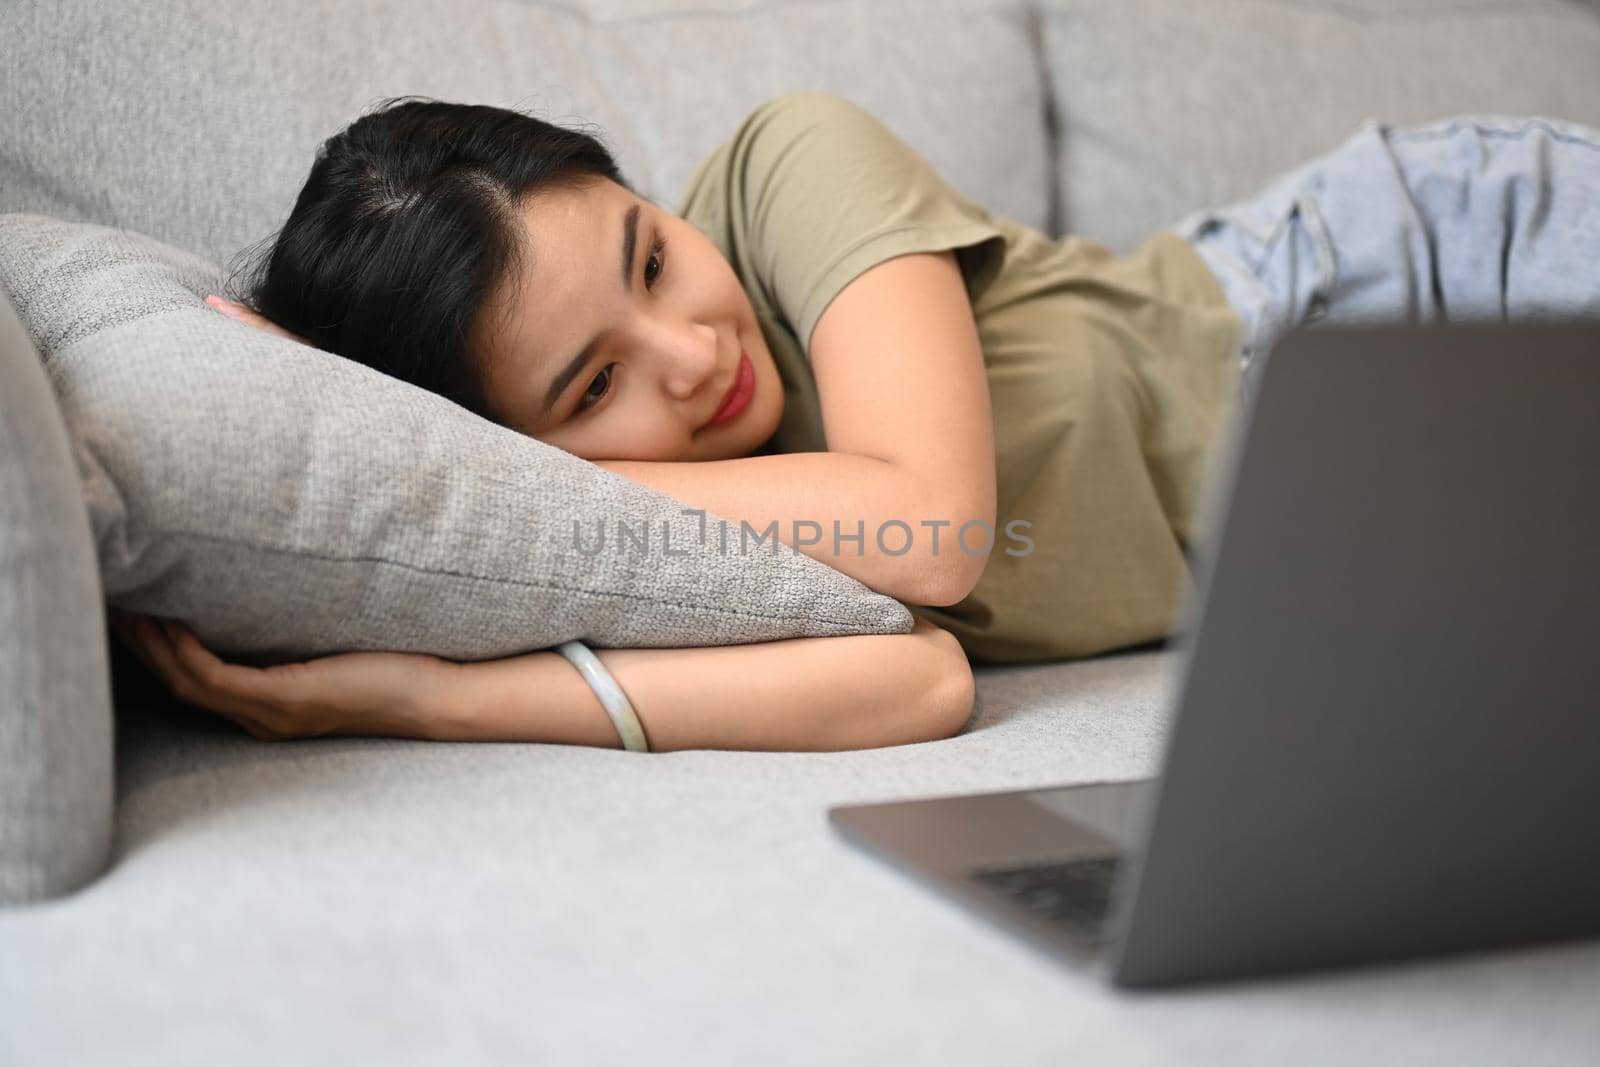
(572, 239)
(566, 269)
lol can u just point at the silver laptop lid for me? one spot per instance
(1389, 736)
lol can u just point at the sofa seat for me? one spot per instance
(387, 901)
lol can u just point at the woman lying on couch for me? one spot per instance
(1007, 432)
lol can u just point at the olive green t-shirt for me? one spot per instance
(1110, 378)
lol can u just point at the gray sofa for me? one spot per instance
(367, 900)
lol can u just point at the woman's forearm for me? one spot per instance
(819, 694)
(861, 497)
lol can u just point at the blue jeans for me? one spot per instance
(1473, 217)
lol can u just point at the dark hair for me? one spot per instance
(404, 228)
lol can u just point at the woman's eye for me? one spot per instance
(659, 259)
(590, 397)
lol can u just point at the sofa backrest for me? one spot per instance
(1168, 106)
(196, 123)
(1107, 118)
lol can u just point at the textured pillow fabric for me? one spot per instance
(196, 123)
(1168, 106)
(289, 503)
(56, 735)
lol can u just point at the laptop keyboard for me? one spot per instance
(1075, 895)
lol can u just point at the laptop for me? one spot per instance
(1385, 741)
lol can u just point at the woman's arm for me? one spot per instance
(906, 409)
(777, 496)
(821, 694)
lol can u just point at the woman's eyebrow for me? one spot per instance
(630, 242)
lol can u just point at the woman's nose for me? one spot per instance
(692, 362)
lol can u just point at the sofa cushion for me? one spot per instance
(289, 503)
(55, 725)
(1168, 106)
(196, 123)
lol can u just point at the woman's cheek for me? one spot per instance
(651, 437)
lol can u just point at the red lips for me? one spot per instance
(738, 398)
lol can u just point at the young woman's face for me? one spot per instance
(665, 325)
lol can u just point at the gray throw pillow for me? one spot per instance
(288, 503)
(1168, 106)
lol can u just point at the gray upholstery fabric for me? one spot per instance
(288, 503)
(238, 98)
(55, 688)
(1167, 106)
(357, 901)
(352, 901)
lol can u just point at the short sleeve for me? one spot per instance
(817, 191)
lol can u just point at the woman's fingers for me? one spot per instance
(191, 673)
(259, 700)
(124, 625)
(387, 694)
(240, 313)
(212, 675)
(230, 309)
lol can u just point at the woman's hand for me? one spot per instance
(250, 318)
(366, 694)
